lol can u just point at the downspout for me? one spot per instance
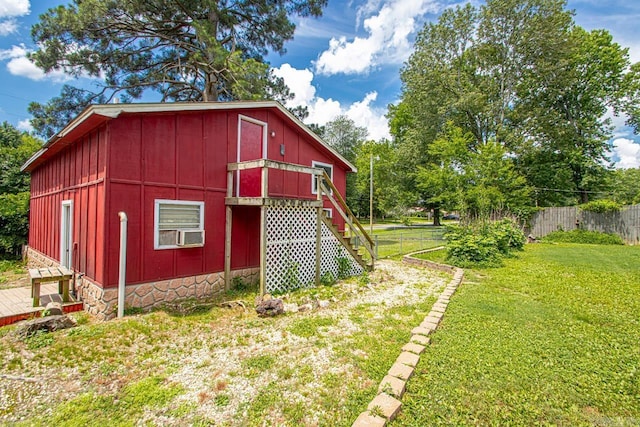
(122, 263)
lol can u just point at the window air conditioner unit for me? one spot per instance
(189, 238)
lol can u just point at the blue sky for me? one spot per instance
(346, 62)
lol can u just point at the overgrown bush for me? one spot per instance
(483, 243)
(601, 206)
(508, 235)
(583, 236)
(14, 223)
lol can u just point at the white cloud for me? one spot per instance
(627, 152)
(620, 128)
(299, 82)
(366, 115)
(387, 41)
(7, 27)
(20, 65)
(321, 110)
(25, 125)
(10, 8)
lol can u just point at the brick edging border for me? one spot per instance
(386, 405)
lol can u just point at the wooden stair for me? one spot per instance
(356, 231)
(348, 242)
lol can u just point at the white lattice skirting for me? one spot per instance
(291, 249)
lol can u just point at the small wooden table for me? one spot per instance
(62, 275)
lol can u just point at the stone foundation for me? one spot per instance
(37, 259)
(102, 303)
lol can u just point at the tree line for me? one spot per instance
(504, 107)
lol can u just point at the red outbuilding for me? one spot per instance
(212, 193)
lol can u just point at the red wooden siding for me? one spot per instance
(77, 173)
(186, 160)
(131, 161)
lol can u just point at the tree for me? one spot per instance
(185, 50)
(520, 74)
(477, 179)
(624, 186)
(385, 179)
(566, 115)
(346, 138)
(15, 149)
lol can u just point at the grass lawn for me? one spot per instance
(10, 272)
(551, 338)
(402, 241)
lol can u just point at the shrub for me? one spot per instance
(466, 247)
(14, 223)
(483, 243)
(508, 235)
(601, 206)
(583, 236)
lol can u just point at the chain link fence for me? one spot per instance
(403, 240)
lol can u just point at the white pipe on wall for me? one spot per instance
(123, 262)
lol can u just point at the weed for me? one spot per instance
(344, 267)
(327, 279)
(292, 276)
(376, 411)
(310, 326)
(39, 340)
(256, 365)
(364, 278)
(221, 385)
(583, 236)
(222, 399)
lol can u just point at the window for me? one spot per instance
(178, 223)
(327, 168)
(328, 212)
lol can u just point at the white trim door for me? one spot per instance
(66, 234)
(250, 148)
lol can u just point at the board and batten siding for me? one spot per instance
(77, 173)
(184, 156)
(126, 163)
(625, 223)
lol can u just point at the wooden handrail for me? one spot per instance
(349, 219)
(346, 208)
(325, 185)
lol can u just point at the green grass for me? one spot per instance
(551, 338)
(435, 256)
(11, 269)
(122, 409)
(583, 236)
(406, 240)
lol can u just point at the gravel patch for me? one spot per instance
(210, 363)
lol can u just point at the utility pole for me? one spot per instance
(371, 193)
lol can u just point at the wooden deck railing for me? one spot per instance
(325, 187)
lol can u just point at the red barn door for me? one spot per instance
(251, 146)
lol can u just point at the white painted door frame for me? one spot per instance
(66, 234)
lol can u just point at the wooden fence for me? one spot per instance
(625, 223)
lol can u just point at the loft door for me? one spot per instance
(251, 146)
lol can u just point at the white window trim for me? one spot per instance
(264, 143)
(314, 164)
(329, 212)
(156, 220)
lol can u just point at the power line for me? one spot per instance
(562, 190)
